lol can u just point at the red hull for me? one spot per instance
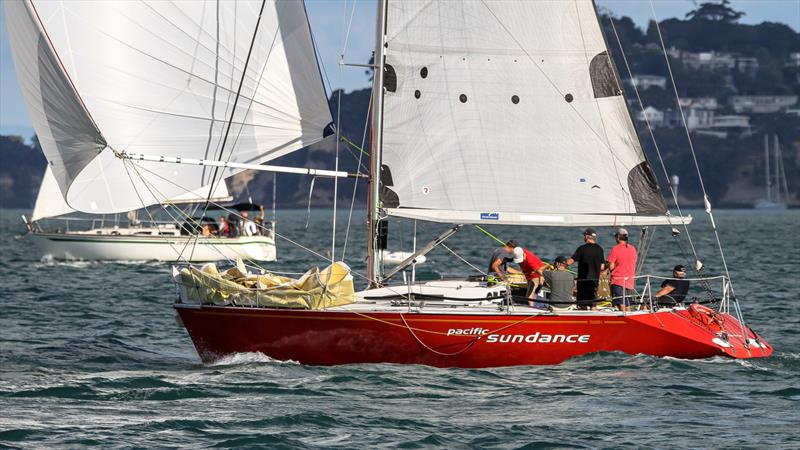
(456, 340)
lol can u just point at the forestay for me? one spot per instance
(50, 202)
(508, 112)
(161, 78)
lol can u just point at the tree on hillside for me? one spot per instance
(715, 12)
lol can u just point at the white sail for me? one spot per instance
(50, 201)
(158, 77)
(501, 110)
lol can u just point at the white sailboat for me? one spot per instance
(777, 189)
(59, 235)
(103, 81)
(499, 112)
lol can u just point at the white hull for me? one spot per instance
(771, 205)
(79, 246)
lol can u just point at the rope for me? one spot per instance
(462, 259)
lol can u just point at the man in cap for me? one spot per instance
(561, 283)
(590, 259)
(622, 263)
(673, 291)
(532, 267)
(498, 263)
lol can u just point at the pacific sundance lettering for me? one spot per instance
(535, 338)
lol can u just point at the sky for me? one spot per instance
(331, 19)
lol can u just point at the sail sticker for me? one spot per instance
(490, 216)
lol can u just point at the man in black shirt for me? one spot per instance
(590, 259)
(674, 290)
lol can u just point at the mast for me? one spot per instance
(781, 170)
(373, 261)
(777, 177)
(767, 172)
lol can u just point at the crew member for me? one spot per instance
(498, 263)
(532, 267)
(561, 283)
(673, 291)
(589, 257)
(622, 263)
(248, 226)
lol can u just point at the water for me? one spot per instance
(90, 353)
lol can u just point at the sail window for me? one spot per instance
(604, 81)
(417, 94)
(462, 98)
(389, 78)
(424, 72)
(569, 98)
(515, 99)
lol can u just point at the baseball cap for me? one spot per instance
(560, 260)
(621, 232)
(679, 268)
(590, 232)
(512, 243)
(519, 255)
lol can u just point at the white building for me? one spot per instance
(747, 64)
(644, 82)
(652, 115)
(731, 122)
(762, 104)
(698, 118)
(708, 60)
(793, 60)
(700, 102)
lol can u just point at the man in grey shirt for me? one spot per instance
(561, 283)
(498, 262)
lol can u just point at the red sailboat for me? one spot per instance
(483, 113)
(438, 108)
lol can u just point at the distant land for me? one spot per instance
(737, 83)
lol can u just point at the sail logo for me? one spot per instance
(490, 216)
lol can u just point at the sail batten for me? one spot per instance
(507, 106)
(152, 77)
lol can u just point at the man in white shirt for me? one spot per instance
(248, 227)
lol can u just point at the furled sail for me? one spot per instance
(508, 112)
(50, 201)
(162, 78)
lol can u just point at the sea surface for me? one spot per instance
(91, 354)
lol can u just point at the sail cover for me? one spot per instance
(509, 112)
(161, 78)
(50, 201)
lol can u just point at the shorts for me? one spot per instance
(617, 294)
(586, 290)
(533, 286)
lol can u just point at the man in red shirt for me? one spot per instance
(532, 267)
(622, 262)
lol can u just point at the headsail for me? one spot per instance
(161, 78)
(50, 202)
(509, 112)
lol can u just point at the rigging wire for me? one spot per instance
(706, 201)
(233, 110)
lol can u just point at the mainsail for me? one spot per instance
(162, 78)
(50, 201)
(508, 112)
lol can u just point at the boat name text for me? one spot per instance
(535, 338)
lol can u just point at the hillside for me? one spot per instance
(736, 82)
